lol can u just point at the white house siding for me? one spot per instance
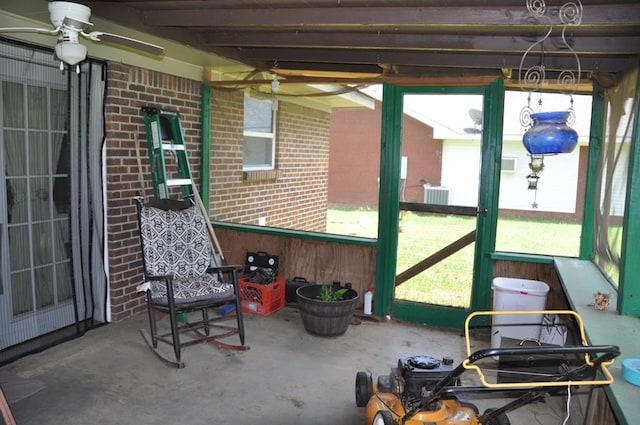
(461, 171)
(556, 188)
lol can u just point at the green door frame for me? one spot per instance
(388, 200)
(390, 159)
(596, 132)
(205, 148)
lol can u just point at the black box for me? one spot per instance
(292, 286)
(532, 367)
(260, 267)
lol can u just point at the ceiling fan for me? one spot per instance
(70, 20)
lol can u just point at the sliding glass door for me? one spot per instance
(52, 279)
(37, 286)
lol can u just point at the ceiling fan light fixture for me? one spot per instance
(70, 21)
(71, 53)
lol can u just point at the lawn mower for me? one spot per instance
(423, 390)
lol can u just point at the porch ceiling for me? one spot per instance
(407, 41)
(393, 38)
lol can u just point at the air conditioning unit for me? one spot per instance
(508, 164)
(436, 195)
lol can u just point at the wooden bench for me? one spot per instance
(580, 280)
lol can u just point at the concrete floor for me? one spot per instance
(109, 376)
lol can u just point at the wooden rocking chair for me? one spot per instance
(180, 280)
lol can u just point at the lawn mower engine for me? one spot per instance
(412, 389)
(414, 375)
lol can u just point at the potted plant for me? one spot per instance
(326, 310)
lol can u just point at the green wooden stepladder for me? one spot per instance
(165, 136)
(170, 164)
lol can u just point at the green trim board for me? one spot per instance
(299, 234)
(595, 146)
(205, 147)
(389, 198)
(522, 258)
(429, 314)
(580, 279)
(488, 195)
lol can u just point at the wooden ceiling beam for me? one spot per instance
(421, 78)
(429, 58)
(310, 17)
(459, 34)
(413, 41)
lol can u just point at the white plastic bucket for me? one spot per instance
(510, 294)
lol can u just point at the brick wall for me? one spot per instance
(128, 89)
(355, 157)
(297, 198)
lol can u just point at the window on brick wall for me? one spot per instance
(259, 147)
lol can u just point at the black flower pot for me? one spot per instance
(326, 318)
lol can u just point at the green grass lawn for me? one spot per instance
(356, 222)
(449, 282)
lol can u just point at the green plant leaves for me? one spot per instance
(328, 293)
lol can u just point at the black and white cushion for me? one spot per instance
(176, 243)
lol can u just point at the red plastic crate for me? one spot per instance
(262, 299)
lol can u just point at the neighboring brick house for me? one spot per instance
(294, 196)
(354, 164)
(453, 161)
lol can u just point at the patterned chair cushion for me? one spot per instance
(176, 243)
(191, 289)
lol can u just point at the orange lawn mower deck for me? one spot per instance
(423, 390)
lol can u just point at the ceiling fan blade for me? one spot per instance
(36, 30)
(125, 41)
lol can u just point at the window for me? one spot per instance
(259, 134)
(324, 175)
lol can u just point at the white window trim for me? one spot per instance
(270, 136)
(264, 135)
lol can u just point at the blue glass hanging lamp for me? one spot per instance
(548, 133)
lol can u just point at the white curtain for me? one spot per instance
(620, 101)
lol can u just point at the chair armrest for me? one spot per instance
(226, 268)
(160, 277)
